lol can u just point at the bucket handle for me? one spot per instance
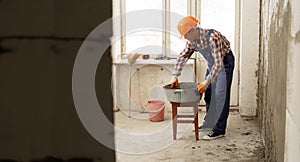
(154, 111)
(178, 91)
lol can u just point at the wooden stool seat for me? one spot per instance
(175, 117)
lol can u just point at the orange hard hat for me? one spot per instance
(186, 24)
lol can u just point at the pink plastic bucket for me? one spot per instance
(156, 110)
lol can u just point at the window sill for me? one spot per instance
(151, 61)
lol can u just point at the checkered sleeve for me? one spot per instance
(216, 49)
(182, 58)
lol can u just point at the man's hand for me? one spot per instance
(174, 81)
(203, 86)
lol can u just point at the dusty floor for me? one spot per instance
(241, 143)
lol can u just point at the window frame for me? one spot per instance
(119, 8)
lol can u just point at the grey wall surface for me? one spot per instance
(39, 41)
(275, 35)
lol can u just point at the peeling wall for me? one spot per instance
(276, 22)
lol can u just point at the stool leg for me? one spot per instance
(196, 121)
(174, 119)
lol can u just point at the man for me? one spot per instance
(215, 49)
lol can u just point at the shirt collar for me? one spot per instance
(203, 38)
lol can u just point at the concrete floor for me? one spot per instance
(138, 139)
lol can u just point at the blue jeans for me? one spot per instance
(217, 97)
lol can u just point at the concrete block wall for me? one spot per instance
(39, 41)
(67, 18)
(275, 66)
(278, 86)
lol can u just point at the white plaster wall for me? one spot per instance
(249, 56)
(116, 39)
(292, 145)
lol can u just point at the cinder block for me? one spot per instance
(77, 18)
(37, 114)
(27, 18)
(67, 18)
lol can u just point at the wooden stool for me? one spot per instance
(175, 117)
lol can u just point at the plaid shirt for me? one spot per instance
(220, 46)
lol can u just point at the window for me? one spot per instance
(145, 41)
(220, 15)
(180, 7)
(156, 43)
(216, 14)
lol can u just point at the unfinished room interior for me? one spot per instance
(86, 81)
(263, 122)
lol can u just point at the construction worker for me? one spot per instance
(215, 49)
